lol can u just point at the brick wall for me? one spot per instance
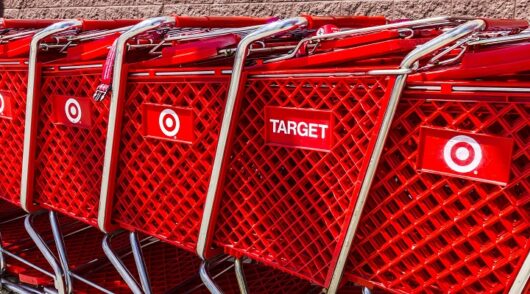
(137, 8)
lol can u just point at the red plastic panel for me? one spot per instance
(81, 248)
(195, 51)
(338, 57)
(69, 155)
(13, 82)
(285, 206)
(422, 232)
(16, 240)
(72, 111)
(345, 21)
(483, 63)
(161, 184)
(26, 23)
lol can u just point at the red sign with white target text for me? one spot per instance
(299, 128)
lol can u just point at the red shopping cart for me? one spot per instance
(450, 205)
(166, 126)
(298, 144)
(162, 165)
(65, 129)
(67, 47)
(14, 48)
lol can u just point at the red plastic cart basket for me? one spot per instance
(299, 147)
(168, 124)
(66, 129)
(14, 50)
(168, 266)
(285, 196)
(162, 167)
(449, 210)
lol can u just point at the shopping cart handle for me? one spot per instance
(364, 52)
(190, 52)
(220, 21)
(369, 38)
(505, 24)
(26, 23)
(315, 22)
(90, 50)
(107, 24)
(489, 63)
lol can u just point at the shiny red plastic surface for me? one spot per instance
(69, 155)
(423, 232)
(286, 207)
(13, 83)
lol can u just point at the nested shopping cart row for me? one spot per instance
(62, 147)
(61, 150)
(263, 139)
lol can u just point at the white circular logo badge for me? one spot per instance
(462, 154)
(2, 103)
(72, 109)
(169, 122)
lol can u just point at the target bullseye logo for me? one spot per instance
(169, 122)
(72, 109)
(462, 154)
(2, 104)
(465, 155)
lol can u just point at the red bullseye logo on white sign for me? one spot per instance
(169, 122)
(462, 154)
(72, 109)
